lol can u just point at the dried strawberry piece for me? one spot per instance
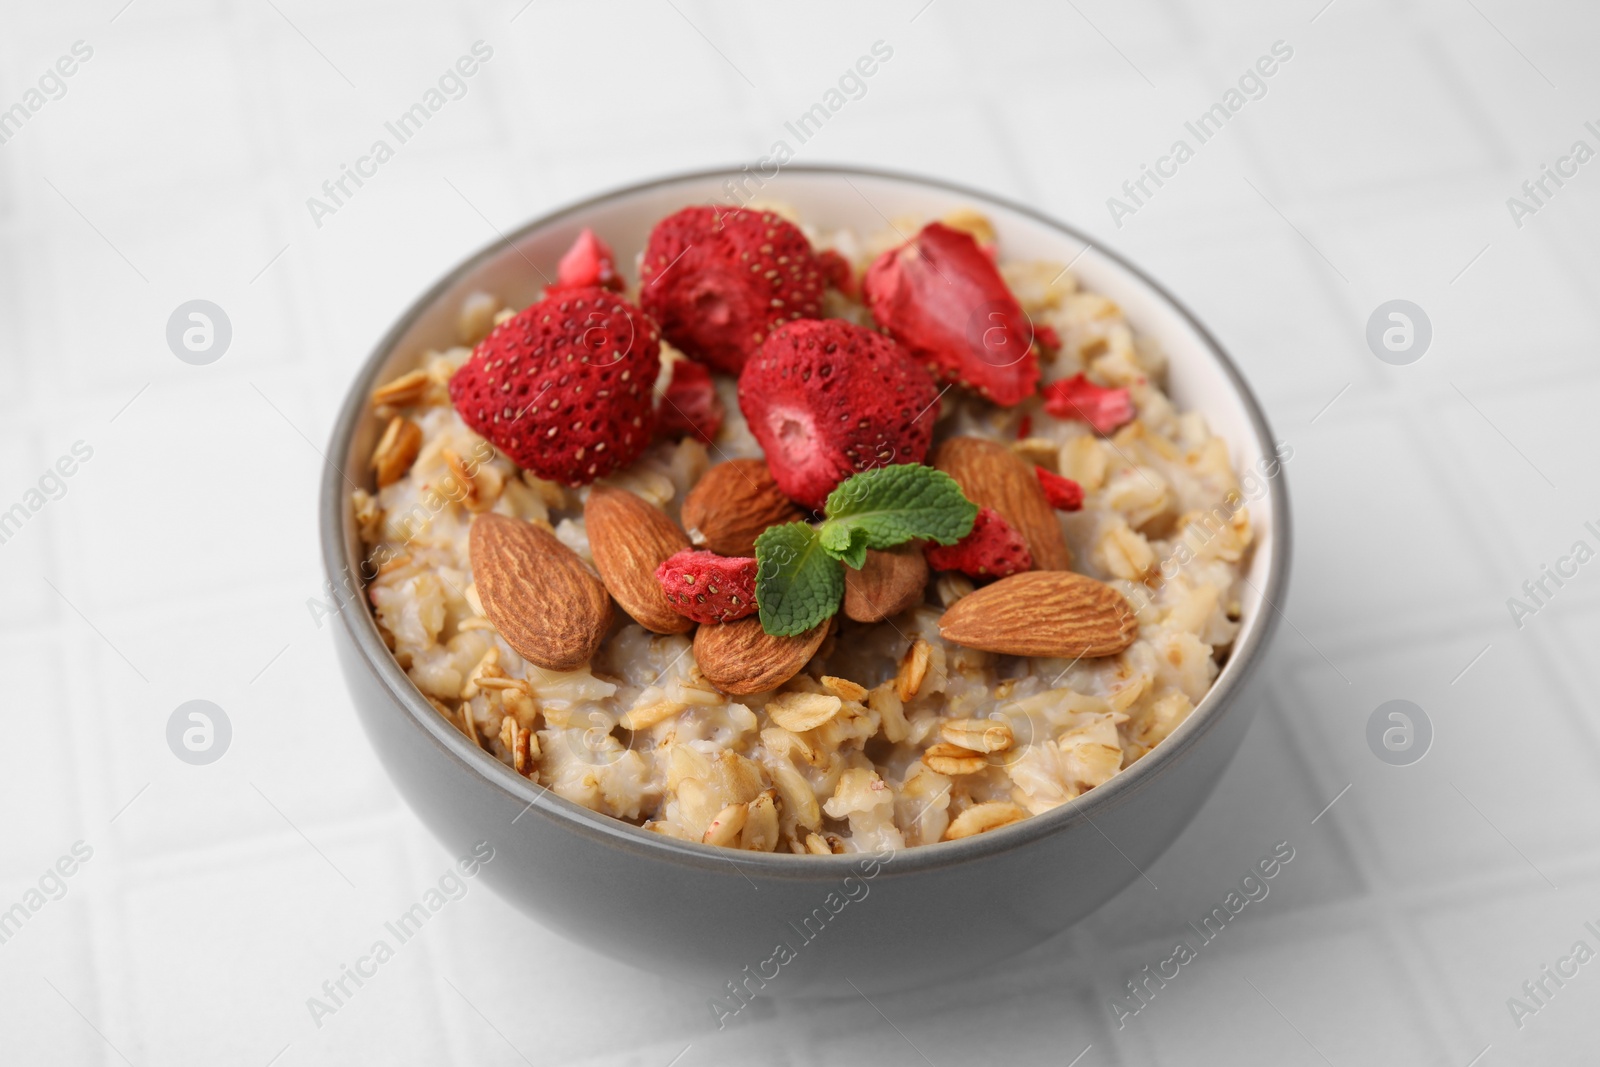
(709, 588)
(1047, 338)
(826, 399)
(719, 280)
(994, 549)
(690, 407)
(563, 387)
(945, 301)
(1079, 398)
(1025, 426)
(589, 262)
(1064, 494)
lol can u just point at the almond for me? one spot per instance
(537, 592)
(729, 507)
(993, 476)
(887, 584)
(1058, 614)
(629, 538)
(740, 657)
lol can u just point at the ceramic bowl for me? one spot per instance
(784, 925)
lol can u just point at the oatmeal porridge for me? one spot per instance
(805, 541)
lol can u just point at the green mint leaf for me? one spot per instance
(891, 505)
(835, 538)
(844, 542)
(856, 556)
(798, 584)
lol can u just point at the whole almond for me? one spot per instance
(740, 657)
(629, 538)
(537, 592)
(729, 507)
(993, 476)
(889, 582)
(1058, 614)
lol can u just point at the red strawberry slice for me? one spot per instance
(944, 300)
(994, 549)
(706, 587)
(719, 280)
(827, 399)
(588, 262)
(1079, 398)
(690, 405)
(1064, 494)
(564, 386)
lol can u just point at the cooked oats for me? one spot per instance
(891, 736)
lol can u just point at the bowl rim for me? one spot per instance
(360, 626)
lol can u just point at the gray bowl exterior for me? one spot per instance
(711, 917)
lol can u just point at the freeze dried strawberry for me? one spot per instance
(706, 587)
(941, 297)
(1047, 338)
(718, 281)
(690, 405)
(836, 270)
(1064, 494)
(563, 387)
(994, 549)
(827, 399)
(1079, 398)
(587, 263)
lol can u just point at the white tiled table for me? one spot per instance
(179, 561)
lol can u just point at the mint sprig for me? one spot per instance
(844, 542)
(798, 584)
(887, 506)
(799, 580)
